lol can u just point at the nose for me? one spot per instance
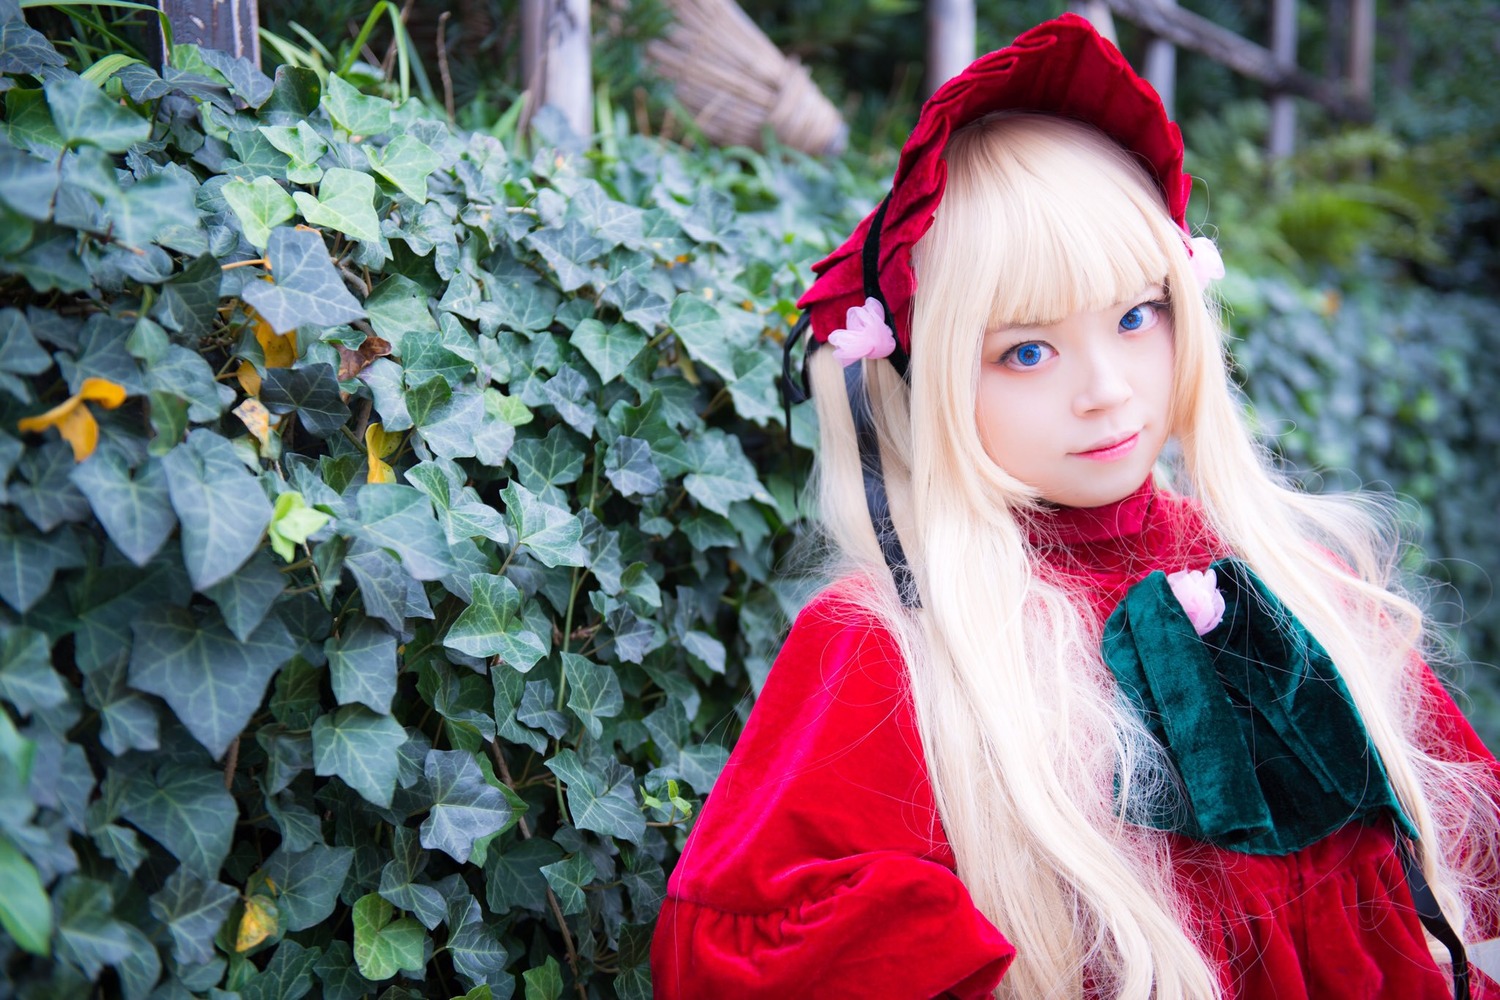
(1104, 381)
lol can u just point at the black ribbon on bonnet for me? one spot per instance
(876, 500)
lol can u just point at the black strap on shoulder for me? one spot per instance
(1432, 917)
(870, 258)
(875, 495)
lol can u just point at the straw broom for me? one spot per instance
(735, 82)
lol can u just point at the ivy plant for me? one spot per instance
(388, 518)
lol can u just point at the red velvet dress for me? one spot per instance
(818, 867)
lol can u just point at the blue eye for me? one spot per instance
(1024, 357)
(1141, 317)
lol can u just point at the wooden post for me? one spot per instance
(231, 26)
(1096, 12)
(1362, 50)
(1161, 67)
(556, 62)
(950, 40)
(1192, 31)
(1283, 137)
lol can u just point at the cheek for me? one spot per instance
(1008, 421)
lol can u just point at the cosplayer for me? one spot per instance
(1096, 705)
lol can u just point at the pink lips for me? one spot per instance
(1113, 451)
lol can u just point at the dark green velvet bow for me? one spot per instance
(1271, 751)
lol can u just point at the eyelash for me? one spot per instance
(1160, 306)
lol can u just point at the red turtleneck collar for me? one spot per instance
(1123, 518)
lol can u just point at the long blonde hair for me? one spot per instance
(1024, 736)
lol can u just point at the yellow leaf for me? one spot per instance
(280, 349)
(380, 445)
(258, 923)
(102, 391)
(256, 418)
(248, 378)
(73, 420)
(380, 472)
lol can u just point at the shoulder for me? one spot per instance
(838, 642)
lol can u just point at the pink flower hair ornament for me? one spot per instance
(865, 334)
(1198, 593)
(1206, 261)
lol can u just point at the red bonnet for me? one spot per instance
(1061, 67)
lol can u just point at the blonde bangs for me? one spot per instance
(1051, 232)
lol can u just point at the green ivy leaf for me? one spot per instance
(261, 205)
(306, 289)
(24, 52)
(25, 910)
(88, 935)
(493, 625)
(593, 693)
(84, 116)
(193, 909)
(288, 976)
(360, 747)
(246, 596)
(345, 202)
(406, 163)
(477, 956)
(545, 981)
(27, 679)
(628, 465)
(567, 879)
(464, 806)
(28, 564)
(28, 184)
(150, 210)
(354, 112)
(382, 946)
(400, 520)
(311, 391)
(609, 349)
(457, 506)
(701, 328)
(212, 680)
(307, 882)
(398, 306)
(186, 809)
(602, 802)
(190, 301)
(127, 717)
(552, 533)
(222, 508)
(513, 876)
(303, 146)
(721, 473)
(555, 460)
(362, 665)
(292, 523)
(136, 512)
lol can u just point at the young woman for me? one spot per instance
(1058, 730)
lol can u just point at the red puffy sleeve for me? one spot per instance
(817, 867)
